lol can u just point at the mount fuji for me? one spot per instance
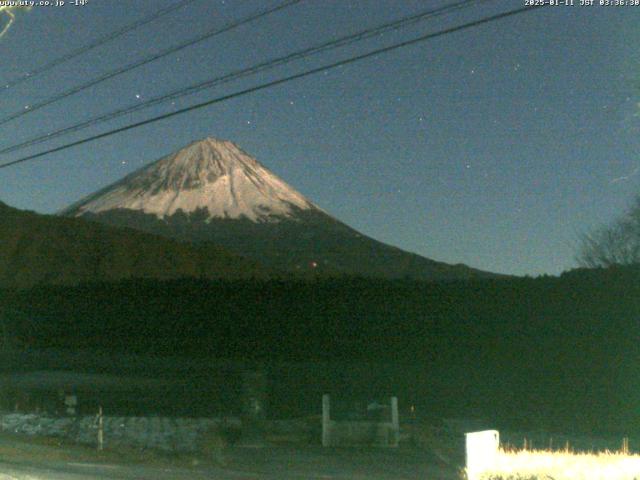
(212, 191)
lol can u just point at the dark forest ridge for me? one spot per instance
(40, 249)
(541, 353)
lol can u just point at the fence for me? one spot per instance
(161, 433)
(375, 430)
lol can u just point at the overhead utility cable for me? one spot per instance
(96, 43)
(127, 68)
(267, 65)
(280, 81)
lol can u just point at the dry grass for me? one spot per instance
(548, 465)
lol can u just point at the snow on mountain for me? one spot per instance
(228, 199)
(212, 174)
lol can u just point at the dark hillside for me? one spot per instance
(41, 249)
(546, 351)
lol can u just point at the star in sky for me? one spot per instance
(474, 112)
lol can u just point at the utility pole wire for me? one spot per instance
(127, 68)
(96, 43)
(267, 65)
(274, 83)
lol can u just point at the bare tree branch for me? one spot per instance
(616, 244)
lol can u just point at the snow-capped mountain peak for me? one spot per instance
(210, 174)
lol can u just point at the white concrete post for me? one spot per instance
(100, 429)
(395, 422)
(481, 452)
(326, 421)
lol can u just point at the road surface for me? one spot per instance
(268, 463)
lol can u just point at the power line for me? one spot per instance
(267, 65)
(274, 83)
(97, 43)
(127, 68)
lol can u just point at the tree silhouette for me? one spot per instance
(614, 244)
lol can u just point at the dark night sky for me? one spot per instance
(493, 147)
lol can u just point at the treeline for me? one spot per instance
(554, 352)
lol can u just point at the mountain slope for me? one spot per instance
(213, 175)
(213, 191)
(39, 249)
